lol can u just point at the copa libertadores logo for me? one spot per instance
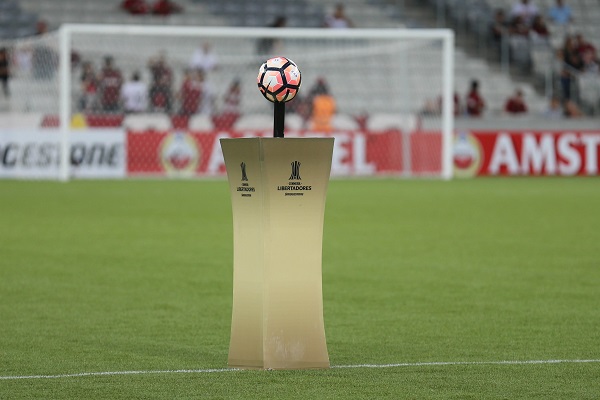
(295, 175)
(294, 186)
(245, 188)
(244, 175)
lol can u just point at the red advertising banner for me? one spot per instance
(537, 153)
(356, 153)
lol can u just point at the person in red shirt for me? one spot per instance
(165, 7)
(515, 104)
(539, 29)
(474, 101)
(230, 111)
(135, 6)
(110, 82)
(160, 95)
(190, 93)
(583, 46)
(89, 87)
(159, 68)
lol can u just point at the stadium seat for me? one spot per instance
(140, 122)
(589, 91)
(294, 122)
(200, 123)
(344, 122)
(254, 121)
(384, 122)
(21, 121)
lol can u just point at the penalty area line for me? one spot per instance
(218, 370)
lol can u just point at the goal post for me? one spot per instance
(384, 82)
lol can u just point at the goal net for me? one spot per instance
(138, 101)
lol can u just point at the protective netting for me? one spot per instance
(172, 95)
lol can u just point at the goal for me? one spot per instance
(163, 96)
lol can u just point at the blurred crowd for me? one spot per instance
(152, 88)
(105, 90)
(158, 7)
(525, 26)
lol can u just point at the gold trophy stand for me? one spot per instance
(278, 188)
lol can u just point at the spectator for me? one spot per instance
(518, 28)
(525, 10)
(160, 95)
(204, 58)
(161, 87)
(583, 45)
(4, 71)
(323, 107)
(434, 107)
(190, 93)
(89, 87)
(571, 54)
(520, 51)
(560, 13)
(23, 58)
(457, 107)
(135, 7)
(572, 110)
(231, 106)
(474, 101)
(110, 82)
(268, 46)
(233, 98)
(207, 102)
(589, 63)
(338, 19)
(539, 30)
(41, 27)
(554, 109)
(515, 105)
(166, 7)
(134, 95)
(160, 69)
(499, 26)
(571, 65)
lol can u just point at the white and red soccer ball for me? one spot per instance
(279, 79)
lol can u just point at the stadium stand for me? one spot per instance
(109, 12)
(15, 22)
(536, 59)
(473, 16)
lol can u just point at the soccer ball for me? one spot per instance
(279, 79)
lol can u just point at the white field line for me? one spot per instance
(218, 370)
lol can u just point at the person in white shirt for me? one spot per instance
(338, 20)
(134, 95)
(204, 58)
(526, 10)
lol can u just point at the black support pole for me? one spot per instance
(278, 119)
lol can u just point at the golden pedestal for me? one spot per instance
(278, 189)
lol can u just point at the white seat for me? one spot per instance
(384, 122)
(294, 122)
(254, 121)
(21, 121)
(141, 122)
(201, 123)
(343, 121)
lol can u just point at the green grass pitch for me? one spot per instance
(113, 276)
